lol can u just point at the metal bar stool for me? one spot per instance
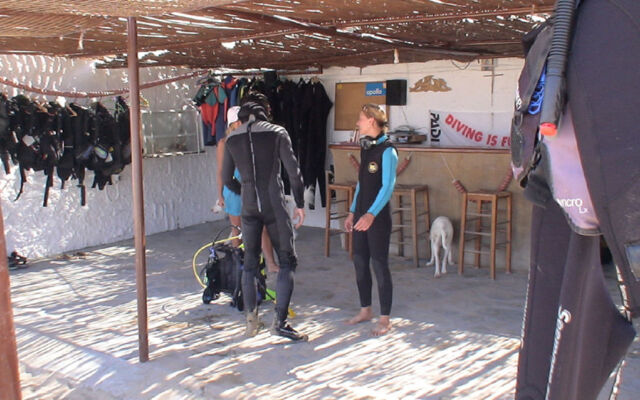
(410, 206)
(480, 214)
(347, 190)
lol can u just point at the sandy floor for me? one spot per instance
(454, 337)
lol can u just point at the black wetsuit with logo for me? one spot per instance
(376, 180)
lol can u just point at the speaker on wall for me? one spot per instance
(397, 92)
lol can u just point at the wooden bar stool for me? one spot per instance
(493, 200)
(347, 190)
(411, 206)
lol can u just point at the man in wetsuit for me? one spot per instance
(257, 148)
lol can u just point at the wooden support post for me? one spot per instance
(138, 192)
(9, 372)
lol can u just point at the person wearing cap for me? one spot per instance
(257, 148)
(232, 202)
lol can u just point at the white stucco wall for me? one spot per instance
(471, 91)
(179, 190)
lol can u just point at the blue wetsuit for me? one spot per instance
(232, 201)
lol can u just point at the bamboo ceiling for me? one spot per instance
(280, 34)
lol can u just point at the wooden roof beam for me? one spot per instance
(332, 25)
(443, 17)
(345, 24)
(334, 32)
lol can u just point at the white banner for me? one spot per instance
(470, 129)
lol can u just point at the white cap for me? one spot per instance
(232, 115)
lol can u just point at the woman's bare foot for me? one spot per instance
(383, 326)
(365, 314)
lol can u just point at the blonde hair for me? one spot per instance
(228, 131)
(378, 114)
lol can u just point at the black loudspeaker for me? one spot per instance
(397, 92)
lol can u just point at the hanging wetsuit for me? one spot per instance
(256, 149)
(230, 85)
(376, 181)
(288, 100)
(6, 141)
(207, 112)
(302, 122)
(573, 334)
(316, 107)
(220, 124)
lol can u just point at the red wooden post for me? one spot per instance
(9, 372)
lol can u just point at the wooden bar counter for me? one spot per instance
(476, 169)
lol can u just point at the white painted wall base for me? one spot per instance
(177, 194)
(179, 190)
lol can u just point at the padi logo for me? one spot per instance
(568, 203)
(375, 92)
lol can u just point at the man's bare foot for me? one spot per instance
(382, 327)
(365, 314)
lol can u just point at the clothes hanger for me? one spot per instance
(39, 105)
(71, 111)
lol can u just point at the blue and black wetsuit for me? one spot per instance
(376, 180)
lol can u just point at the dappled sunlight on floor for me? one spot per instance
(453, 338)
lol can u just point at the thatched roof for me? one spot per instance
(281, 34)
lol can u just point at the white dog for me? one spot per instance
(441, 234)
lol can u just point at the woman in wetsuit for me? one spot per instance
(372, 215)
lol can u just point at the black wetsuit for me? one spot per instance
(574, 336)
(257, 149)
(315, 107)
(376, 180)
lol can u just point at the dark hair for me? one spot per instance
(251, 108)
(256, 97)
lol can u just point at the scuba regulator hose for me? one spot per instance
(554, 97)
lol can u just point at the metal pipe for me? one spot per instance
(138, 192)
(9, 372)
